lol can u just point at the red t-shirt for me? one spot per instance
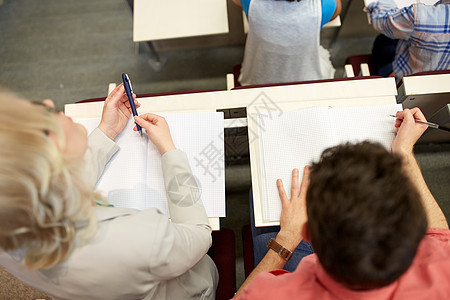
(427, 278)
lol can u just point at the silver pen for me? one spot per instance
(432, 125)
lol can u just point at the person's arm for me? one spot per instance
(391, 21)
(237, 2)
(115, 115)
(330, 10)
(245, 4)
(180, 244)
(408, 132)
(337, 11)
(100, 150)
(293, 217)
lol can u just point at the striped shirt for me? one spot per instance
(423, 30)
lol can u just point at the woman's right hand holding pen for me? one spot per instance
(157, 130)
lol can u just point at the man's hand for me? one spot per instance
(408, 131)
(293, 211)
(116, 112)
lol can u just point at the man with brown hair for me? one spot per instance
(375, 227)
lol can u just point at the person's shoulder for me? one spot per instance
(435, 13)
(438, 234)
(429, 272)
(281, 284)
(434, 247)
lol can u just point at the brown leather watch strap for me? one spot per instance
(284, 253)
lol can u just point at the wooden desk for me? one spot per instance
(162, 19)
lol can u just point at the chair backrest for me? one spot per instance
(357, 60)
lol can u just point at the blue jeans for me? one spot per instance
(262, 235)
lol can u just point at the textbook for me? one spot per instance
(296, 138)
(133, 177)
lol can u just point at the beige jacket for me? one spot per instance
(135, 254)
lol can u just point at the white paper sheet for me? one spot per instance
(133, 178)
(296, 138)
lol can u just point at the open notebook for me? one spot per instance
(296, 138)
(133, 178)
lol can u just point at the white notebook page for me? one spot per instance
(133, 177)
(297, 138)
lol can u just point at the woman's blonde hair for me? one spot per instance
(45, 203)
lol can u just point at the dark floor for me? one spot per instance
(70, 50)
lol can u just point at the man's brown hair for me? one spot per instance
(365, 217)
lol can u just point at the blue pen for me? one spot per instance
(129, 91)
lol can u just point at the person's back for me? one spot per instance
(422, 30)
(426, 279)
(283, 43)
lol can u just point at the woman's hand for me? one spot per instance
(293, 211)
(157, 130)
(116, 112)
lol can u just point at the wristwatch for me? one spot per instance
(282, 252)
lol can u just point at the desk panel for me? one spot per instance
(428, 92)
(164, 19)
(211, 101)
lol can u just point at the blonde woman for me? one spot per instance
(59, 236)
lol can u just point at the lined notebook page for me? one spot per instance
(133, 177)
(297, 138)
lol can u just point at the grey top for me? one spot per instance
(283, 43)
